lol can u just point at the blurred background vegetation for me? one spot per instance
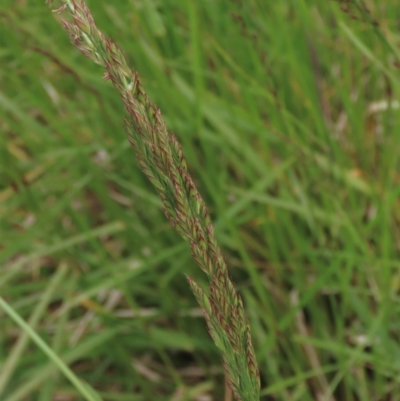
(287, 113)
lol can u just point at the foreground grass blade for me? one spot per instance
(84, 389)
(161, 159)
(19, 347)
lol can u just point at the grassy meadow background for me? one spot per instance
(287, 114)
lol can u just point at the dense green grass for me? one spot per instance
(284, 113)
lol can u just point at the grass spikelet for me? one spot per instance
(162, 161)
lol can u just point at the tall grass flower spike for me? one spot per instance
(162, 161)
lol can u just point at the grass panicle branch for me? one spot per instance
(161, 159)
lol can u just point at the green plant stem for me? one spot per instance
(84, 389)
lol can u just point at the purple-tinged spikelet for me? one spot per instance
(161, 158)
